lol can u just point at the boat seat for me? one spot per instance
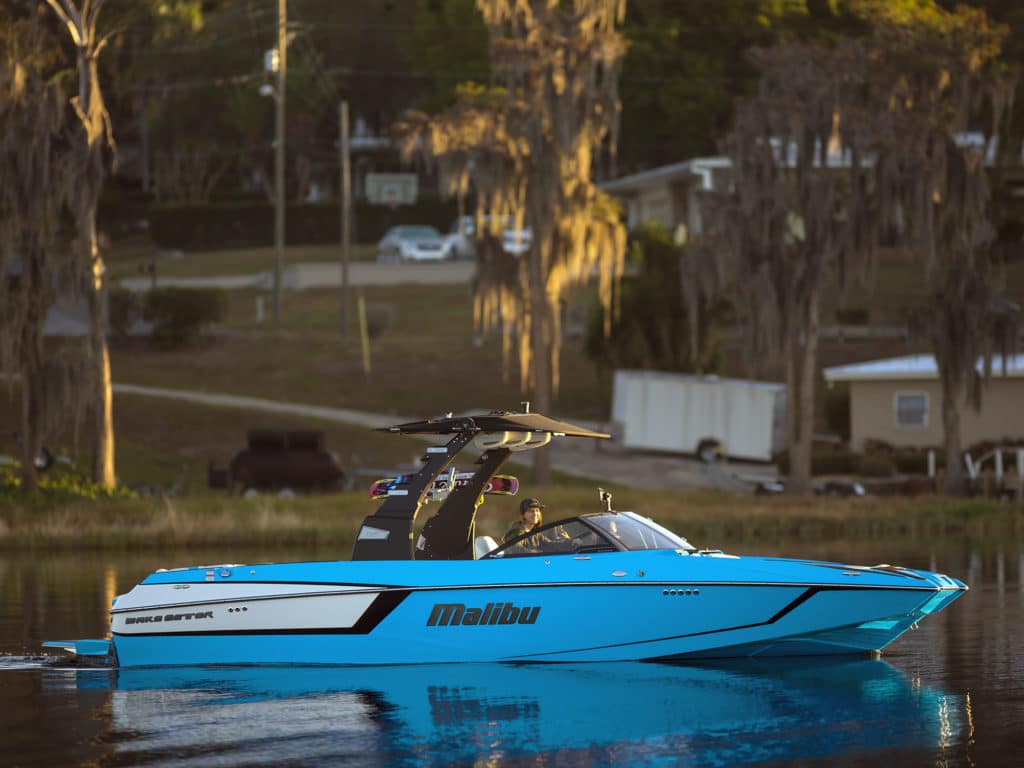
(483, 545)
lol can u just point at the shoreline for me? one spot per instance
(155, 523)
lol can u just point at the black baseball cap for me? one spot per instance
(530, 504)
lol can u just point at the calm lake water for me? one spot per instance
(950, 693)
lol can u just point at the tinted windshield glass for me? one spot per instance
(418, 233)
(635, 532)
(568, 536)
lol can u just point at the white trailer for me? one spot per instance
(680, 413)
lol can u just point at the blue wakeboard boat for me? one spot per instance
(605, 586)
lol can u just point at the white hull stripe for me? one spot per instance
(160, 596)
(326, 614)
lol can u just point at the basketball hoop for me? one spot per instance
(392, 189)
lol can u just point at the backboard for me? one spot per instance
(392, 188)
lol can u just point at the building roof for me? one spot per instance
(915, 367)
(698, 166)
(834, 158)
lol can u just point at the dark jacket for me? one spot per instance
(514, 532)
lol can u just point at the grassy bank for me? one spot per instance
(705, 518)
(424, 358)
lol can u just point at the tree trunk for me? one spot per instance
(540, 330)
(953, 483)
(103, 447)
(143, 105)
(31, 410)
(93, 115)
(31, 372)
(801, 367)
(542, 404)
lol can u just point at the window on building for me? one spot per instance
(911, 409)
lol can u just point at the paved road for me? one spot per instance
(600, 460)
(299, 277)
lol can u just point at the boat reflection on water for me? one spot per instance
(626, 713)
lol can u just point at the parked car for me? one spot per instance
(833, 488)
(411, 243)
(282, 461)
(461, 238)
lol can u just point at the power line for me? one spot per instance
(210, 44)
(192, 85)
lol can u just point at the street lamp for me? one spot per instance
(276, 60)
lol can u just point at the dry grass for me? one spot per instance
(424, 362)
(197, 521)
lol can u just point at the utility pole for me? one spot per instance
(345, 191)
(279, 185)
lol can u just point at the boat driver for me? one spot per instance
(530, 518)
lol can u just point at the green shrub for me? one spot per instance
(219, 226)
(985, 446)
(878, 446)
(827, 461)
(58, 486)
(914, 461)
(876, 466)
(853, 315)
(179, 314)
(830, 461)
(833, 462)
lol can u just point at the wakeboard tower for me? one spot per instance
(450, 533)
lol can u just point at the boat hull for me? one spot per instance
(607, 607)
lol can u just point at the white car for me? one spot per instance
(460, 239)
(411, 243)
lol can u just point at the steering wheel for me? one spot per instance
(581, 542)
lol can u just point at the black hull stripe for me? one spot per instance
(787, 609)
(378, 610)
(518, 584)
(793, 605)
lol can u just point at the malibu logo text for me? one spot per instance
(457, 614)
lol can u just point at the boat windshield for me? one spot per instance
(609, 532)
(633, 532)
(563, 537)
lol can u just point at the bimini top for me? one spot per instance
(497, 421)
